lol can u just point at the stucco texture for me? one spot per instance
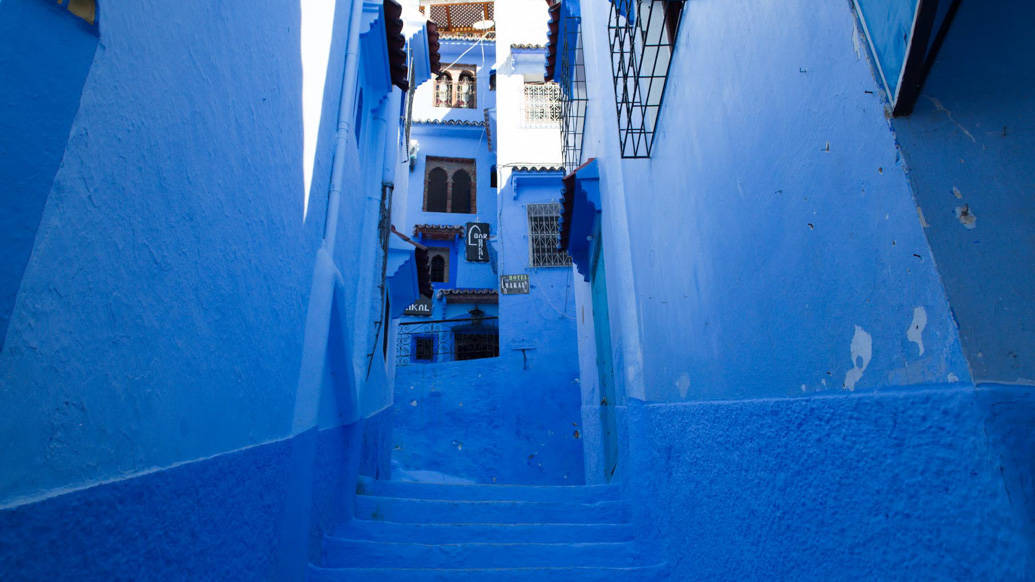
(898, 486)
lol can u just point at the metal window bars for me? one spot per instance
(542, 105)
(544, 236)
(447, 340)
(642, 38)
(574, 98)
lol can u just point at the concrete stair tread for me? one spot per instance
(495, 532)
(646, 573)
(487, 492)
(408, 510)
(366, 553)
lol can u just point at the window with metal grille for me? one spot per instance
(642, 38)
(571, 78)
(542, 105)
(424, 348)
(544, 236)
(471, 345)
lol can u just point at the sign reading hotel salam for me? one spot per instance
(477, 242)
(514, 284)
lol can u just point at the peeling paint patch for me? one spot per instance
(966, 217)
(915, 333)
(683, 385)
(952, 377)
(956, 192)
(862, 352)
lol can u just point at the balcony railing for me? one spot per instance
(447, 340)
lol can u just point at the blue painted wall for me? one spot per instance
(150, 378)
(43, 81)
(799, 404)
(968, 146)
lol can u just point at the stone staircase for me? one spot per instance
(419, 532)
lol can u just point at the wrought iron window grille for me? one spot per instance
(574, 98)
(544, 236)
(642, 39)
(446, 340)
(542, 105)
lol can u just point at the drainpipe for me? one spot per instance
(326, 277)
(345, 130)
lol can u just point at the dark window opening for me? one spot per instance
(449, 185)
(472, 345)
(424, 348)
(492, 80)
(440, 264)
(492, 177)
(437, 190)
(461, 192)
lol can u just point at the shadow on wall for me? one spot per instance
(968, 145)
(44, 60)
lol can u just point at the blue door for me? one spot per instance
(605, 369)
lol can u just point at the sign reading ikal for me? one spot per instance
(514, 284)
(477, 242)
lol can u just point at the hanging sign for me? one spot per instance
(514, 284)
(477, 242)
(421, 306)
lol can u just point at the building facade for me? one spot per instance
(783, 195)
(492, 352)
(196, 277)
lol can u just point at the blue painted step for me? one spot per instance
(449, 511)
(339, 553)
(412, 490)
(652, 573)
(453, 533)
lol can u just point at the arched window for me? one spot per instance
(465, 90)
(438, 269)
(437, 185)
(461, 191)
(443, 90)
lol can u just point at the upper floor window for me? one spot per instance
(439, 264)
(444, 90)
(457, 87)
(542, 105)
(642, 37)
(449, 185)
(544, 236)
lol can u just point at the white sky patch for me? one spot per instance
(317, 27)
(915, 333)
(862, 353)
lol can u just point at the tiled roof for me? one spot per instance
(553, 34)
(396, 45)
(527, 46)
(438, 231)
(450, 122)
(434, 58)
(543, 168)
(470, 295)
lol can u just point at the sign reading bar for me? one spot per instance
(477, 242)
(421, 306)
(514, 284)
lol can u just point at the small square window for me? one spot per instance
(424, 348)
